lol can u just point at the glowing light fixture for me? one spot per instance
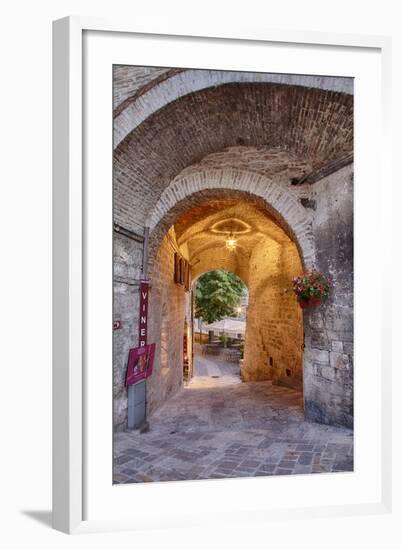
(231, 242)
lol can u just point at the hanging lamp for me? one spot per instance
(231, 241)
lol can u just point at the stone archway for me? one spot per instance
(204, 185)
(290, 132)
(266, 258)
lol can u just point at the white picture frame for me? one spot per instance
(71, 258)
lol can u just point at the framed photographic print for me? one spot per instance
(215, 208)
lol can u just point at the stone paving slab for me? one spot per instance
(214, 430)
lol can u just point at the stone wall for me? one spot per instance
(169, 306)
(328, 360)
(127, 273)
(167, 311)
(129, 81)
(274, 330)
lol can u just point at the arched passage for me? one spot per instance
(266, 258)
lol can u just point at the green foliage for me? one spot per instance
(217, 295)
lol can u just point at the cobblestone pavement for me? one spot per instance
(219, 428)
(215, 367)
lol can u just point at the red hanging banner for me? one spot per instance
(140, 360)
(143, 313)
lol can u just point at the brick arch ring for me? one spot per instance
(192, 80)
(184, 191)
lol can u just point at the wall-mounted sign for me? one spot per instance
(140, 363)
(143, 312)
(140, 359)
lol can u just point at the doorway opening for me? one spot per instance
(221, 300)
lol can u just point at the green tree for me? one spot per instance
(217, 295)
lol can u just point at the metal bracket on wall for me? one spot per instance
(128, 233)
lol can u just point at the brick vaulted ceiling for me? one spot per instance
(298, 128)
(202, 230)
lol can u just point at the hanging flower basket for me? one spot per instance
(311, 288)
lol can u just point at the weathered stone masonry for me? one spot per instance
(274, 321)
(127, 271)
(166, 326)
(328, 364)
